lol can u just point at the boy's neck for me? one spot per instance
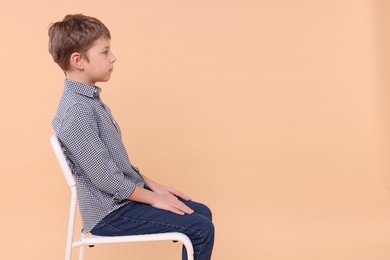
(79, 77)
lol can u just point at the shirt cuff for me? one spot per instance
(124, 191)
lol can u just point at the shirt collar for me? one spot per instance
(81, 88)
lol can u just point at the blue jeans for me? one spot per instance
(138, 218)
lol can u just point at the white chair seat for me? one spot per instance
(95, 240)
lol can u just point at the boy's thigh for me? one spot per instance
(138, 218)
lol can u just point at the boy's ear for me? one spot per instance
(76, 61)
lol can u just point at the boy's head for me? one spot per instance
(75, 33)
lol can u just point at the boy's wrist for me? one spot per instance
(143, 195)
(150, 183)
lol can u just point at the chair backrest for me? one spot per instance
(61, 158)
(57, 147)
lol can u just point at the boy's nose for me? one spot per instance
(113, 58)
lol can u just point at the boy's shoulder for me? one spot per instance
(72, 105)
(73, 100)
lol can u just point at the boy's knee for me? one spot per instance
(210, 230)
(206, 211)
(207, 227)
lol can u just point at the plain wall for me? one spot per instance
(274, 113)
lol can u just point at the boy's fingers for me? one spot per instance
(185, 197)
(179, 212)
(181, 195)
(187, 209)
(180, 206)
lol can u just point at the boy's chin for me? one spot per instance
(104, 80)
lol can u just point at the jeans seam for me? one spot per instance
(114, 229)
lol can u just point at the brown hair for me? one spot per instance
(75, 33)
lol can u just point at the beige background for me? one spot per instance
(274, 113)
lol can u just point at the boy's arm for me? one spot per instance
(80, 136)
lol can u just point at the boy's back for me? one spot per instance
(95, 151)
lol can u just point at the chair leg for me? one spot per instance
(190, 256)
(81, 252)
(68, 252)
(82, 249)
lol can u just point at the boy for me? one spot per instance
(114, 197)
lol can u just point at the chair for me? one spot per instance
(92, 240)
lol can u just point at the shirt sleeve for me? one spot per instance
(80, 135)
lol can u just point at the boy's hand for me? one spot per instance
(165, 190)
(162, 197)
(171, 203)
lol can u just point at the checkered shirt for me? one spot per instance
(92, 140)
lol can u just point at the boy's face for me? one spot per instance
(100, 63)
